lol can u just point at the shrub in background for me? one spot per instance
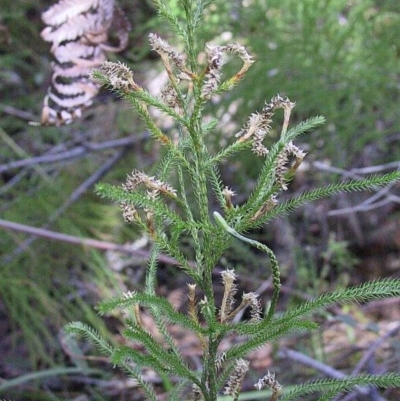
(340, 58)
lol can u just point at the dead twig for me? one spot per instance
(382, 196)
(374, 346)
(80, 151)
(321, 367)
(84, 242)
(95, 177)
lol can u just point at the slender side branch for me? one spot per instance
(274, 262)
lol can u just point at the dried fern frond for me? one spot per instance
(66, 9)
(79, 31)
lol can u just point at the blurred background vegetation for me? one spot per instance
(336, 58)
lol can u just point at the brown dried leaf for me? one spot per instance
(73, 29)
(79, 31)
(66, 9)
(76, 50)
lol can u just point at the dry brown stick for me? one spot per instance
(354, 171)
(85, 242)
(380, 198)
(74, 153)
(321, 367)
(95, 177)
(371, 350)
(13, 111)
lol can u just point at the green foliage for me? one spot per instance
(340, 59)
(169, 214)
(331, 189)
(332, 387)
(35, 284)
(338, 262)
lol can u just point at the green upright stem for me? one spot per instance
(211, 368)
(191, 37)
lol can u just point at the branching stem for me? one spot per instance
(274, 262)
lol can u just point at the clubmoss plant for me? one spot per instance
(202, 207)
